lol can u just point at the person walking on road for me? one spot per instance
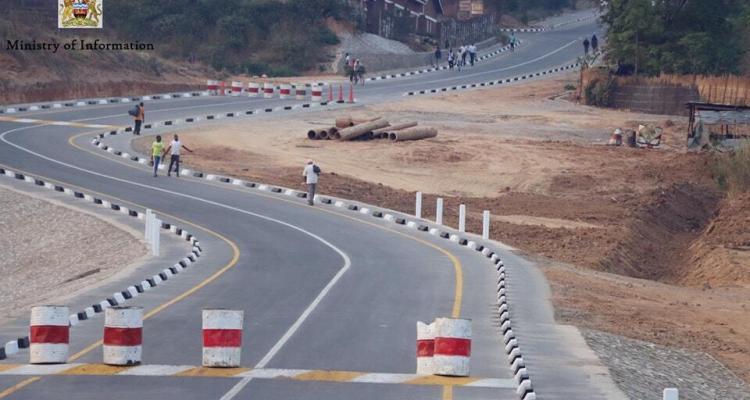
(311, 173)
(586, 44)
(174, 155)
(594, 44)
(451, 59)
(438, 56)
(472, 53)
(139, 117)
(462, 53)
(157, 151)
(513, 42)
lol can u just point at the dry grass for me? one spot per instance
(733, 170)
(726, 89)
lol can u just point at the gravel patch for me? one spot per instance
(368, 43)
(642, 370)
(49, 250)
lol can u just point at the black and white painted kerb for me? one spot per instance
(521, 374)
(118, 298)
(101, 101)
(497, 82)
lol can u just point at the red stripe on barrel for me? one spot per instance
(222, 337)
(452, 347)
(284, 91)
(53, 334)
(425, 348)
(123, 336)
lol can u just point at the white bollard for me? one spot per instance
(486, 225)
(253, 89)
(418, 207)
(155, 236)
(671, 394)
(222, 337)
(123, 335)
(452, 346)
(49, 335)
(316, 94)
(462, 218)
(149, 221)
(425, 348)
(268, 90)
(439, 211)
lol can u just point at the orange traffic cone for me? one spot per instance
(341, 93)
(351, 93)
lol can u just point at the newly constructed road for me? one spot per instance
(321, 288)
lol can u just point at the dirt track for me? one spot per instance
(633, 226)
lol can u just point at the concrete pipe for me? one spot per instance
(222, 338)
(388, 130)
(452, 346)
(344, 122)
(361, 129)
(412, 134)
(332, 133)
(313, 134)
(123, 335)
(49, 335)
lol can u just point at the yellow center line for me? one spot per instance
(18, 386)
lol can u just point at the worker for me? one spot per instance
(311, 173)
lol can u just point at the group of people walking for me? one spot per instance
(466, 55)
(594, 44)
(355, 69)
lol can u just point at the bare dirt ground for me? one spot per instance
(635, 242)
(50, 250)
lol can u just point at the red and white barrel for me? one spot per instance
(316, 93)
(213, 86)
(268, 90)
(123, 335)
(49, 335)
(285, 90)
(236, 88)
(425, 348)
(253, 89)
(222, 337)
(222, 88)
(300, 91)
(452, 346)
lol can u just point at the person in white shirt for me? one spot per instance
(310, 173)
(174, 149)
(472, 53)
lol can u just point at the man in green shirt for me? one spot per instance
(157, 150)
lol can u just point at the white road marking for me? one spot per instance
(300, 320)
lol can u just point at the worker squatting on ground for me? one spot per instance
(310, 173)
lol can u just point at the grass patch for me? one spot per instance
(732, 170)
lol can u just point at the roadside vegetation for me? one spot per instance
(732, 170)
(239, 36)
(705, 37)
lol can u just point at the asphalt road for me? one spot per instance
(321, 289)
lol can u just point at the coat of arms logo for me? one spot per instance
(79, 13)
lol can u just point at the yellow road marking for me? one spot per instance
(447, 392)
(458, 294)
(93, 369)
(5, 367)
(441, 380)
(328, 376)
(18, 386)
(213, 372)
(214, 276)
(58, 123)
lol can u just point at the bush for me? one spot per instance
(570, 86)
(732, 170)
(599, 92)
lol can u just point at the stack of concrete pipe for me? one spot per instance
(348, 129)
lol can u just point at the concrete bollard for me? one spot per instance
(462, 218)
(268, 90)
(486, 225)
(222, 337)
(300, 91)
(285, 90)
(253, 89)
(123, 335)
(452, 346)
(671, 394)
(439, 211)
(425, 348)
(49, 335)
(418, 206)
(316, 94)
(212, 86)
(155, 235)
(236, 88)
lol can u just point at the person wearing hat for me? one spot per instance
(311, 173)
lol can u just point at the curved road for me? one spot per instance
(322, 288)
